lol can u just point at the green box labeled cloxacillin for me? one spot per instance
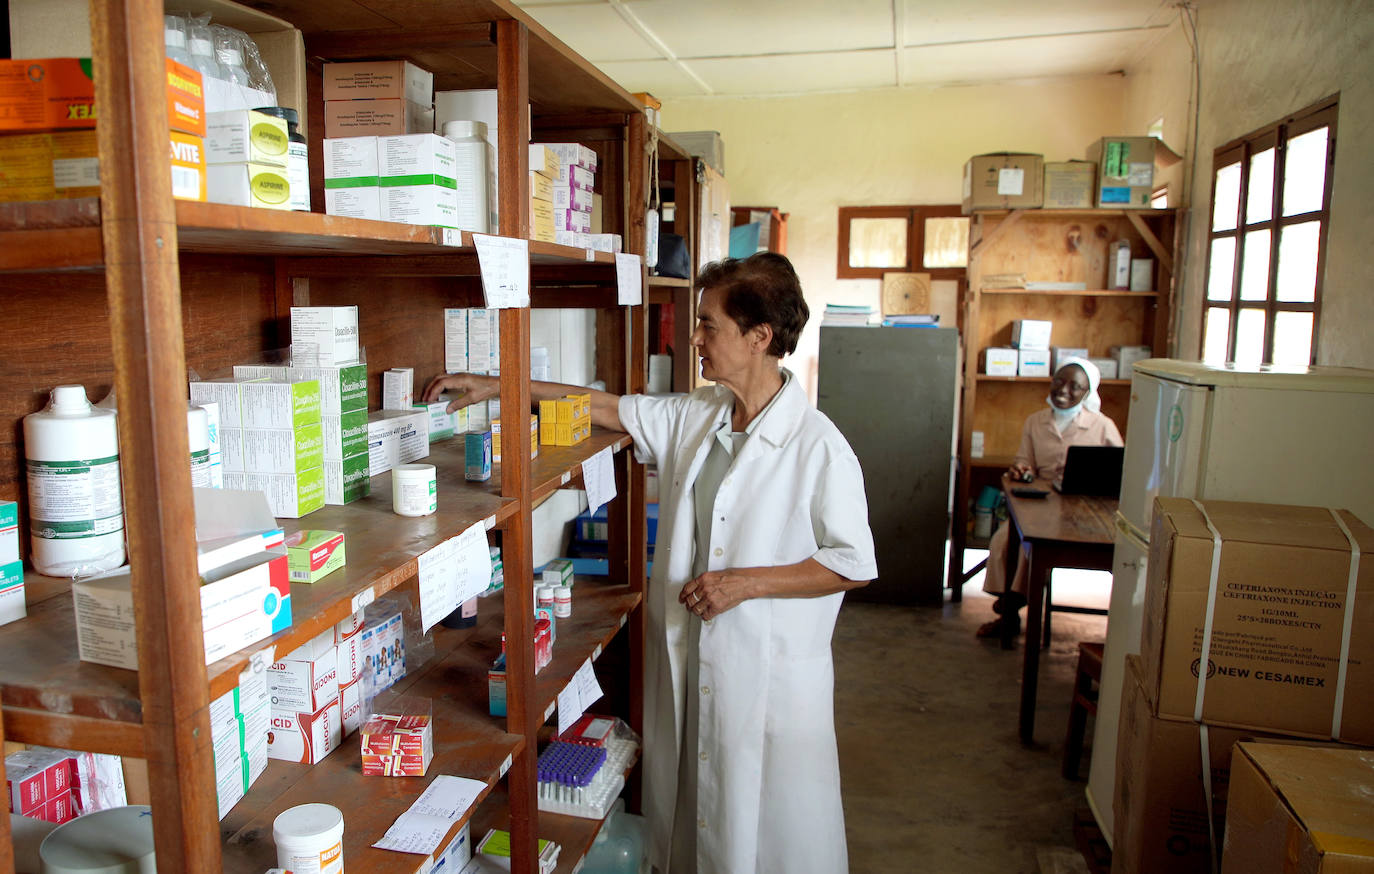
(312, 555)
(348, 480)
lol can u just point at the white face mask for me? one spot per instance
(1062, 418)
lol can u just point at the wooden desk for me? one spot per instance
(1070, 531)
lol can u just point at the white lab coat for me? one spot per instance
(768, 787)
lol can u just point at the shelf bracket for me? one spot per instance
(1002, 227)
(1166, 258)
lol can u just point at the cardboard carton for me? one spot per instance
(1128, 167)
(1005, 180)
(1070, 184)
(1283, 580)
(1300, 809)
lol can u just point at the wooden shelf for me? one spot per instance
(1071, 213)
(669, 282)
(1107, 292)
(1042, 380)
(45, 686)
(65, 235)
(1001, 462)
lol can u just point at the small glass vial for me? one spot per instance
(297, 156)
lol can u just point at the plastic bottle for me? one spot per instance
(174, 34)
(230, 59)
(297, 156)
(202, 48)
(198, 433)
(76, 512)
(472, 173)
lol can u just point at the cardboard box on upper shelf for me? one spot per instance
(56, 28)
(1003, 180)
(1070, 184)
(371, 80)
(1284, 655)
(1128, 168)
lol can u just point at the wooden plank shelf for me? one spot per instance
(1045, 380)
(669, 282)
(1090, 292)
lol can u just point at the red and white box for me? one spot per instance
(351, 706)
(349, 657)
(34, 777)
(60, 809)
(305, 737)
(397, 745)
(305, 684)
(347, 628)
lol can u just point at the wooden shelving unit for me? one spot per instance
(677, 178)
(1050, 246)
(129, 290)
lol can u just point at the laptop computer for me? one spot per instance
(1092, 470)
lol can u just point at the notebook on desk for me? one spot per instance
(1092, 470)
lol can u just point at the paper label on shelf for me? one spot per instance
(421, 829)
(452, 236)
(629, 279)
(596, 653)
(567, 477)
(362, 599)
(581, 692)
(489, 522)
(549, 711)
(577, 869)
(505, 267)
(259, 662)
(1011, 181)
(591, 254)
(452, 572)
(505, 766)
(598, 478)
(623, 620)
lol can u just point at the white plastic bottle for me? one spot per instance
(198, 432)
(472, 173)
(76, 513)
(231, 61)
(174, 34)
(202, 48)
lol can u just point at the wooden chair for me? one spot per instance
(1084, 702)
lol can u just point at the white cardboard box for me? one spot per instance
(245, 136)
(999, 361)
(227, 392)
(1031, 333)
(305, 684)
(360, 201)
(576, 199)
(573, 220)
(349, 658)
(290, 496)
(264, 186)
(398, 388)
(351, 706)
(455, 340)
(305, 737)
(1126, 356)
(416, 155)
(283, 450)
(1106, 366)
(351, 158)
(1059, 353)
(420, 205)
(282, 405)
(1032, 362)
(324, 335)
(9, 532)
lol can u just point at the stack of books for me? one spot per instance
(912, 320)
(837, 314)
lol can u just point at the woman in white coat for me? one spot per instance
(763, 525)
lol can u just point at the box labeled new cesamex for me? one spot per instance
(324, 336)
(1291, 600)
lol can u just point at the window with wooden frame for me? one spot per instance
(1271, 198)
(901, 239)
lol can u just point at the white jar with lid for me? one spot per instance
(543, 596)
(117, 840)
(309, 839)
(562, 601)
(474, 171)
(76, 508)
(414, 489)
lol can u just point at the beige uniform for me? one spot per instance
(1045, 450)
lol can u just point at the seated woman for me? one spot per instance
(1073, 418)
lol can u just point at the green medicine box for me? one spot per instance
(558, 572)
(313, 555)
(348, 480)
(280, 404)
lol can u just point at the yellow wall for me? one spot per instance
(810, 155)
(1262, 60)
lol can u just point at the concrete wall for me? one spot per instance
(1262, 60)
(811, 155)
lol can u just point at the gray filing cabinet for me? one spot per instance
(892, 393)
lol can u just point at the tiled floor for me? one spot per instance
(935, 778)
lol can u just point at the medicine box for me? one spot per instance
(397, 745)
(282, 405)
(227, 392)
(351, 706)
(9, 532)
(1005, 180)
(12, 592)
(384, 650)
(313, 555)
(305, 737)
(348, 480)
(344, 436)
(241, 604)
(343, 387)
(543, 161)
(416, 157)
(290, 496)
(43, 94)
(1105, 366)
(572, 199)
(283, 450)
(245, 136)
(1127, 356)
(1127, 167)
(572, 220)
(455, 340)
(398, 388)
(363, 203)
(541, 190)
(571, 238)
(351, 160)
(383, 443)
(558, 572)
(350, 626)
(383, 117)
(433, 203)
(496, 687)
(1070, 184)
(573, 153)
(1059, 353)
(264, 186)
(324, 336)
(439, 419)
(304, 684)
(1000, 361)
(1142, 274)
(1031, 333)
(349, 657)
(573, 176)
(484, 340)
(1032, 362)
(603, 242)
(370, 80)
(477, 456)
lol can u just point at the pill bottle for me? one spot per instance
(414, 490)
(117, 840)
(543, 596)
(309, 839)
(76, 511)
(198, 434)
(474, 167)
(297, 156)
(562, 601)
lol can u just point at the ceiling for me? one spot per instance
(697, 48)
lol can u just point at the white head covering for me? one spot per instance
(1091, 401)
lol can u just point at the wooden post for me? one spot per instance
(139, 232)
(6, 839)
(523, 718)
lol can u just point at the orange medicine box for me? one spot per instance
(65, 164)
(397, 745)
(59, 94)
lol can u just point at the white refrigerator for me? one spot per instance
(1220, 432)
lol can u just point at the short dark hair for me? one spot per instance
(758, 290)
